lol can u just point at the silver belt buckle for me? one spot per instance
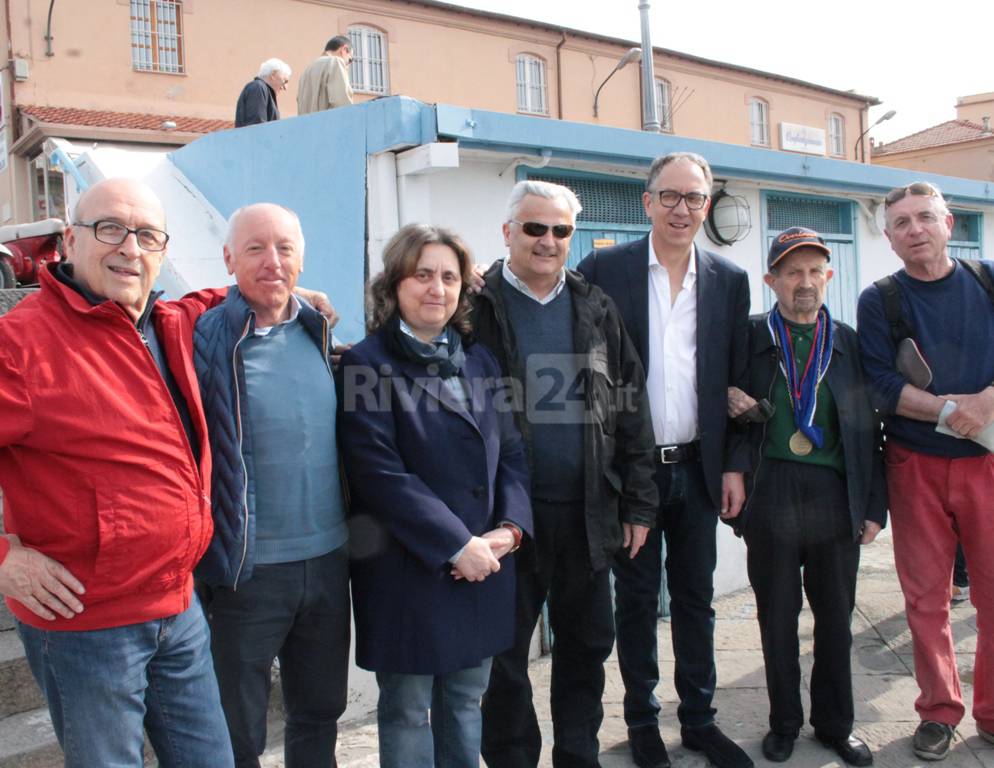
(662, 454)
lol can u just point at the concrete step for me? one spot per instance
(18, 691)
(27, 741)
(26, 736)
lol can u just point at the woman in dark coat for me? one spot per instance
(438, 482)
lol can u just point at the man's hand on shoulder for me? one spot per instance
(320, 301)
(39, 583)
(476, 281)
(973, 412)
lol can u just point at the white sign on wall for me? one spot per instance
(802, 138)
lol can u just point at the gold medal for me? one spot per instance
(799, 444)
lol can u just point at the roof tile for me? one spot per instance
(950, 132)
(130, 120)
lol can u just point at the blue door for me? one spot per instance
(590, 236)
(834, 221)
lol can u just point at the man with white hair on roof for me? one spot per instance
(257, 102)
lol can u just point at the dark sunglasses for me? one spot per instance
(534, 229)
(919, 188)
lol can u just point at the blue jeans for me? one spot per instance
(102, 685)
(452, 737)
(688, 520)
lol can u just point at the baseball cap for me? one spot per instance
(791, 239)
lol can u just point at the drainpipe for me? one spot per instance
(559, 73)
(48, 31)
(863, 111)
(650, 118)
(11, 112)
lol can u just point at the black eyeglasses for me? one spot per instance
(112, 233)
(670, 198)
(534, 229)
(919, 188)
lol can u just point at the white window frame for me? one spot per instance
(836, 135)
(530, 79)
(157, 36)
(369, 71)
(759, 122)
(663, 104)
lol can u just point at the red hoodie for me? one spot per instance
(95, 466)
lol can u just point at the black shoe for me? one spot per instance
(849, 748)
(932, 739)
(648, 750)
(778, 747)
(720, 750)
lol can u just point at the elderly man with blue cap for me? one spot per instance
(815, 492)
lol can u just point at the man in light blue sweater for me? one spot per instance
(276, 573)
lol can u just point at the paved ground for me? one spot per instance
(882, 667)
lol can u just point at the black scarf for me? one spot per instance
(449, 357)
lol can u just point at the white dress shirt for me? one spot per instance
(671, 380)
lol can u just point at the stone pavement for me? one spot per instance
(885, 690)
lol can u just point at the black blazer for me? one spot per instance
(622, 272)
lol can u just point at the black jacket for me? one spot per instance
(617, 438)
(622, 272)
(859, 424)
(256, 104)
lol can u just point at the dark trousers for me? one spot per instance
(799, 532)
(688, 520)
(297, 612)
(557, 566)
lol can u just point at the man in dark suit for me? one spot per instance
(687, 312)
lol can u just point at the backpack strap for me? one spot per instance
(982, 276)
(890, 292)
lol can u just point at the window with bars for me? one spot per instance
(532, 95)
(368, 71)
(836, 135)
(826, 216)
(157, 36)
(663, 105)
(759, 123)
(605, 201)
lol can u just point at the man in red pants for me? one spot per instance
(928, 358)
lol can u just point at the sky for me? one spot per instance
(915, 59)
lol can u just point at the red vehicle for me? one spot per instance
(25, 249)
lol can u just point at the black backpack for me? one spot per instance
(890, 292)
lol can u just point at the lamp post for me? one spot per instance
(650, 118)
(885, 116)
(633, 54)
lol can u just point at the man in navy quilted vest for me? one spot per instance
(275, 578)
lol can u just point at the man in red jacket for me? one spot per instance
(105, 469)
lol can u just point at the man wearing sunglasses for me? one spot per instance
(940, 472)
(687, 311)
(582, 411)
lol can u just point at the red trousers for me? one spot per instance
(931, 499)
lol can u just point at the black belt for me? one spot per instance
(674, 454)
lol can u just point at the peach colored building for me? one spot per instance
(961, 147)
(161, 73)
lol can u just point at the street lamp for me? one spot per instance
(634, 54)
(885, 116)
